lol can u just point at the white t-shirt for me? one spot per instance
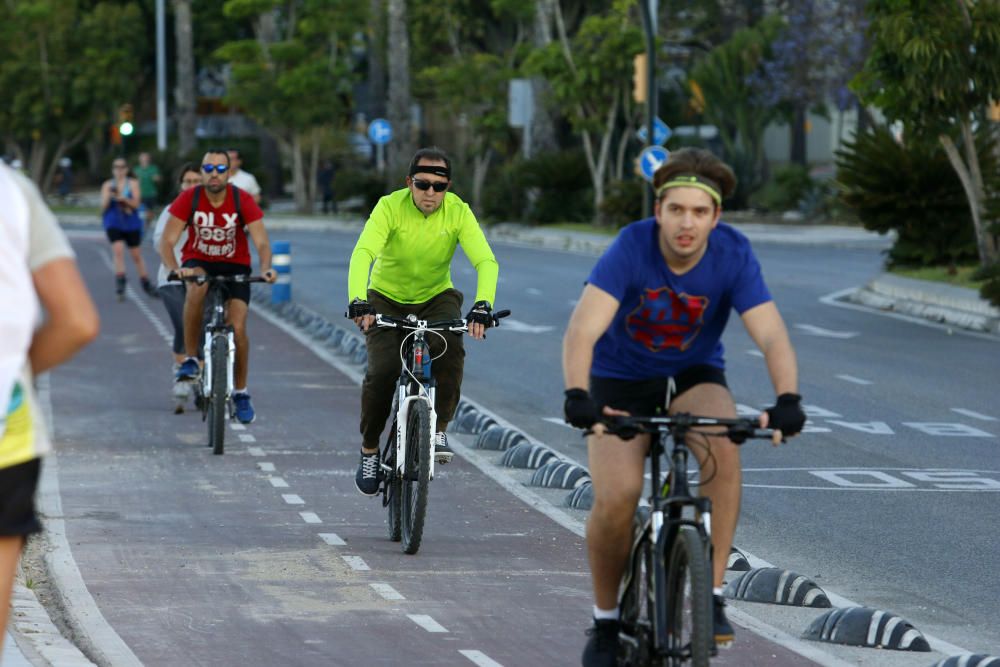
(245, 181)
(161, 223)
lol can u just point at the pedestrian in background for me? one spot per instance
(324, 179)
(120, 199)
(65, 178)
(240, 177)
(174, 293)
(149, 186)
(37, 273)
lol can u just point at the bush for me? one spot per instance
(364, 183)
(789, 186)
(559, 188)
(504, 195)
(912, 189)
(623, 202)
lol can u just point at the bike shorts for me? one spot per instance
(239, 291)
(131, 239)
(17, 499)
(647, 397)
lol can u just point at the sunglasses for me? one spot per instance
(427, 185)
(220, 168)
(120, 166)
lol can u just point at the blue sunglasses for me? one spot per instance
(209, 168)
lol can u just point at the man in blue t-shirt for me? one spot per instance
(646, 334)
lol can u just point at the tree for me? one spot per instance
(184, 93)
(933, 67)
(295, 79)
(402, 147)
(64, 70)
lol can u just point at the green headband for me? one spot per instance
(692, 181)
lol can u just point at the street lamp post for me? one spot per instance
(648, 9)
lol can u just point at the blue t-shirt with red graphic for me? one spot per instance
(668, 322)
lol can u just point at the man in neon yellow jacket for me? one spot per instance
(411, 237)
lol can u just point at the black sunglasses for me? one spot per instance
(426, 185)
(208, 168)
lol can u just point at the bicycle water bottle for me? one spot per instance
(426, 362)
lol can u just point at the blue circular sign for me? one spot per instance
(650, 160)
(380, 131)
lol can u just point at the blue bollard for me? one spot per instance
(281, 261)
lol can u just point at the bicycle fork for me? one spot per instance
(402, 404)
(230, 363)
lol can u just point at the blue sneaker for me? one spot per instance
(244, 408)
(188, 370)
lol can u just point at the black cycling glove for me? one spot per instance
(481, 313)
(359, 308)
(581, 410)
(786, 415)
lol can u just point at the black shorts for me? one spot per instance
(150, 202)
(17, 499)
(239, 291)
(647, 397)
(131, 239)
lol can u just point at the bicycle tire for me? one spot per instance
(688, 603)
(637, 605)
(217, 401)
(416, 475)
(393, 488)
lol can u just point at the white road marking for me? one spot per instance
(534, 291)
(255, 451)
(387, 591)
(310, 517)
(948, 430)
(356, 562)
(266, 466)
(278, 482)
(236, 426)
(427, 623)
(292, 499)
(246, 437)
(755, 353)
(874, 428)
(560, 421)
(974, 415)
(813, 330)
(480, 658)
(524, 327)
(851, 378)
(333, 539)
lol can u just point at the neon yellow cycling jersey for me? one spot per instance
(412, 252)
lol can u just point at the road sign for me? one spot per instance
(380, 131)
(650, 160)
(661, 132)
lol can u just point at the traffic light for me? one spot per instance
(640, 78)
(125, 115)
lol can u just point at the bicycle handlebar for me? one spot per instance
(456, 325)
(203, 278)
(739, 430)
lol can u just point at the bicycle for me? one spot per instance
(407, 458)
(214, 389)
(666, 594)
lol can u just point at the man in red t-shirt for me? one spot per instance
(217, 246)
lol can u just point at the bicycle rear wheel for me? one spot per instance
(217, 399)
(689, 600)
(416, 475)
(393, 487)
(637, 606)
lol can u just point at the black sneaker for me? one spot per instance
(149, 289)
(369, 474)
(720, 624)
(602, 647)
(442, 452)
(120, 287)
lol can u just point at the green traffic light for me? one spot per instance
(125, 129)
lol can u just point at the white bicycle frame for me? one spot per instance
(230, 365)
(403, 403)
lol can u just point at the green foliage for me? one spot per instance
(623, 202)
(789, 185)
(551, 187)
(991, 288)
(363, 183)
(912, 189)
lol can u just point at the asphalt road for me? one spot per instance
(267, 555)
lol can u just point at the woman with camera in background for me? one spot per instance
(120, 199)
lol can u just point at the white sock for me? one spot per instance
(605, 614)
(240, 391)
(717, 591)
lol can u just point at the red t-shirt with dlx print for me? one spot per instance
(217, 233)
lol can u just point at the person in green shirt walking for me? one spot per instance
(149, 186)
(411, 236)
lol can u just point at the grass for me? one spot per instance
(584, 227)
(960, 276)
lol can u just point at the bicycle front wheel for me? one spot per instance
(635, 648)
(416, 475)
(689, 600)
(217, 399)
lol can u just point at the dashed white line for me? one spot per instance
(246, 437)
(558, 420)
(292, 499)
(236, 426)
(278, 482)
(480, 658)
(387, 591)
(266, 466)
(974, 415)
(427, 623)
(755, 353)
(310, 517)
(356, 562)
(255, 451)
(333, 539)
(851, 378)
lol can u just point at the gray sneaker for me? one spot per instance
(442, 452)
(369, 474)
